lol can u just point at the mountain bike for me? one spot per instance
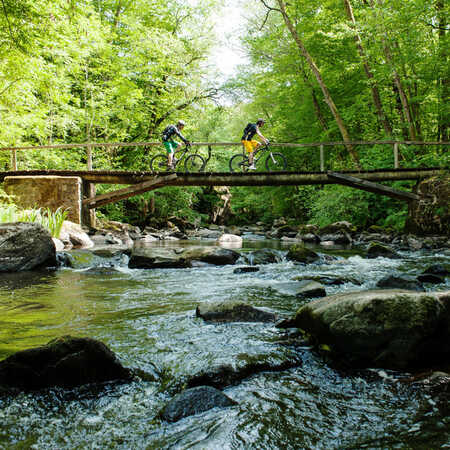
(192, 163)
(274, 161)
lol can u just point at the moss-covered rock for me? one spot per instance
(302, 254)
(375, 249)
(392, 329)
(66, 362)
(431, 214)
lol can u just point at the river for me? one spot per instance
(147, 317)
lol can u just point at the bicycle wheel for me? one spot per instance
(238, 163)
(276, 162)
(159, 163)
(194, 163)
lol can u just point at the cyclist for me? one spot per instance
(170, 145)
(249, 144)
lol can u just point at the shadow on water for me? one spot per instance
(21, 280)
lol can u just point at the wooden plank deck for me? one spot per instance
(234, 179)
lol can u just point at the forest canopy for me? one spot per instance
(76, 71)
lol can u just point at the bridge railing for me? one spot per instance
(321, 146)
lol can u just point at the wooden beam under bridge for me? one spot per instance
(375, 188)
(121, 194)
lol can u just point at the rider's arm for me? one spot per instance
(181, 136)
(261, 136)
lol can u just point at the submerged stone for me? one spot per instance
(228, 375)
(246, 269)
(195, 401)
(233, 312)
(303, 289)
(393, 282)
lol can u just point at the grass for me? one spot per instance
(52, 220)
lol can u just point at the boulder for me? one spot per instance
(77, 236)
(59, 246)
(437, 269)
(430, 278)
(328, 279)
(263, 256)
(246, 269)
(64, 362)
(195, 401)
(156, 258)
(393, 282)
(176, 258)
(212, 255)
(391, 329)
(233, 311)
(338, 227)
(25, 246)
(303, 289)
(376, 249)
(233, 229)
(230, 240)
(337, 238)
(431, 214)
(299, 253)
(309, 238)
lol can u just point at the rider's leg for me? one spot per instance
(254, 147)
(170, 152)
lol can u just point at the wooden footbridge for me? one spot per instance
(140, 182)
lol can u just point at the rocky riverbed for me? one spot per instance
(220, 310)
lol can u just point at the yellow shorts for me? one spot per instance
(250, 146)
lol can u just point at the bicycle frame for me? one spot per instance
(258, 153)
(182, 152)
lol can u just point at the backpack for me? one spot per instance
(167, 132)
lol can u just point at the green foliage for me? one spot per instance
(52, 220)
(120, 71)
(335, 203)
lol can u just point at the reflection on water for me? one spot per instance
(147, 317)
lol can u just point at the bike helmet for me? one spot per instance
(260, 122)
(181, 122)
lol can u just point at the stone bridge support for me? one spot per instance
(431, 214)
(52, 192)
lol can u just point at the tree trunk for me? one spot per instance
(317, 74)
(398, 84)
(444, 81)
(398, 107)
(317, 108)
(373, 86)
(401, 93)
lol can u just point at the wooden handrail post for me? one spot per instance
(396, 155)
(89, 157)
(322, 158)
(13, 160)
(89, 191)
